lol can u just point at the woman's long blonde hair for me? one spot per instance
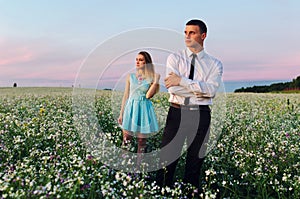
(149, 67)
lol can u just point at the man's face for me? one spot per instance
(193, 36)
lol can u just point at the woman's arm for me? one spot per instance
(154, 87)
(125, 97)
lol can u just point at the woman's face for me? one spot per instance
(140, 61)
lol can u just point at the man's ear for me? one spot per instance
(203, 36)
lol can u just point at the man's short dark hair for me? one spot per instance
(198, 22)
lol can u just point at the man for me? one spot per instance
(193, 77)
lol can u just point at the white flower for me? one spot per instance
(124, 183)
(48, 186)
(163, 191)
(284, 178)
(117, 176)
(207, 172)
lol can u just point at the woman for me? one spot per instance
(137, 115)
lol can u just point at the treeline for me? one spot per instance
(293, 85)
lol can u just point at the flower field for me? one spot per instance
(42, 154)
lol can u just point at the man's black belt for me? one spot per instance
(190, 107)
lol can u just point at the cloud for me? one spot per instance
(263, 72)
(275, 65)
(18, 55)
(36, 59)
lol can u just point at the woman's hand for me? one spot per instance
(156, 78)
(154, 86)
(120, 119)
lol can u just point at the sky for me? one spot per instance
(51, 43)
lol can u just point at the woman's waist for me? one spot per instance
(138, 97)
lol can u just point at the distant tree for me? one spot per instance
(294, 85)
(15, 84)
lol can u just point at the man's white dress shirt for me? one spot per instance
(207, 77)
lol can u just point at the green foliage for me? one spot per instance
(293, 86)
(42, 155)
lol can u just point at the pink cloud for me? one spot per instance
(267, 72)
(282, 65)
(15, 56)
(38, 59)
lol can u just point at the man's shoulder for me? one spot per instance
(212, 58)
(180, 54)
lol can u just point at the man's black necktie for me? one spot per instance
(191, 76)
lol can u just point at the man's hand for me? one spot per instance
(172, 80)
